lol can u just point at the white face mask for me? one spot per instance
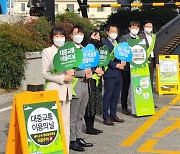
(134, 32)
(113, 36)
(59, 41)
(148, 30)
(78, 38)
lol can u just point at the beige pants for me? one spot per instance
(65, 108)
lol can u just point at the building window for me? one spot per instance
(56, 7)
(22, 6)
(101, 9)
(70, 7)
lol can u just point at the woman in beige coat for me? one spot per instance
(61, 81)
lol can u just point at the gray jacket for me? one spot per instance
(81, 86)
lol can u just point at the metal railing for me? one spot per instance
(131, 5)
(167, 32)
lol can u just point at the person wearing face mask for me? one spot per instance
(150, 39)
(134, 27)
(112, 80)
(94, 106)
(94, 38)
(80, 97)
(60, 81)
(77, 35)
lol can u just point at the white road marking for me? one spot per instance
(176, 107)
(6, 109)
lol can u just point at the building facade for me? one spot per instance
(20, 7)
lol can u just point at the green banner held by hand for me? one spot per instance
(104, 56)
(67, 57)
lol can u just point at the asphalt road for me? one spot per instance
(159, 133)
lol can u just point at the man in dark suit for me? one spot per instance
(150, 40)
(112, 80)
(134, 27)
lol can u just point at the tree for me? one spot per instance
(159, 17)
(83, 10)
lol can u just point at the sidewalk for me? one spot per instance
(109, 141)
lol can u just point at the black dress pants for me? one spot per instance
(125, 88)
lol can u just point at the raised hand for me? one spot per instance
(88, 73)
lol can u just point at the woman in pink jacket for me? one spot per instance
(58, 81)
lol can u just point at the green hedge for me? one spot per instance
(69, 18)
(15, 40)
(18, 38)
(75, 19)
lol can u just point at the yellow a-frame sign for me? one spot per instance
(167, 75)
(36, 125)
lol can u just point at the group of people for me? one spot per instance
(80, 91)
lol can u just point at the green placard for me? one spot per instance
(142, 97)
(43, 129)
(168, 70)
(104, 56)
(67, 57)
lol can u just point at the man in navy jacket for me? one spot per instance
(112, 80)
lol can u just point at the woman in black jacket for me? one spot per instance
(94, 106)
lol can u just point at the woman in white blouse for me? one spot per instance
(58, 81)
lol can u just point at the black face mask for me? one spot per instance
(95, 42)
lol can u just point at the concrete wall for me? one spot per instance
(33, 73)
(9, 18)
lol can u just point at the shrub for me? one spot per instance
(40, 29)
(70, 17)
(15, 40)
(22, 37)
(12, 57)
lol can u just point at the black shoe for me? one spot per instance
(116, 119)
(108, 122)
(75, 146)
(92, 132)
(125, 111)
(82, 143)
(97, 130)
